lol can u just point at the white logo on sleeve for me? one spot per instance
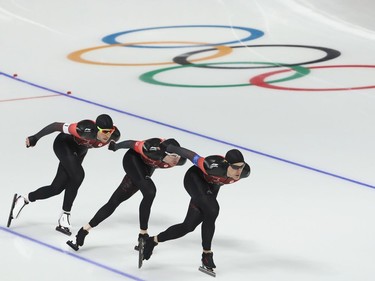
(66, 128)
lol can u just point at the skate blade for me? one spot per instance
(141, 245)
(72, 245)
(63, 230)
(208, 271)
(10, 218)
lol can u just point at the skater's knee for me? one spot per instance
(212, 213)
(188, 227)
(76, 181)
(149, 194)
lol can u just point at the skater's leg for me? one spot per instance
(71, 167)
(76, 174)
(57, 186)
(204, 198)
(210, 209)
(148, 190)
(69, 170)
(140, 175)
(71, 157)
(192, 220)
(125, 190)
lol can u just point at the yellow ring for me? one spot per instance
(77, 55)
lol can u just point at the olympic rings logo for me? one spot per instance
(221, 49)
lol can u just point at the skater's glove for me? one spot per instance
(112, 146)
(31, 141)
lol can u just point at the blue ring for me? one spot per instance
(254, 34)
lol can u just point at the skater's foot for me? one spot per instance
(64, 223)
(207, 260)
(20, 202)
(208, 264)
(80, 239)
(143, 237)
(149, 247)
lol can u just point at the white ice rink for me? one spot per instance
(290, 83)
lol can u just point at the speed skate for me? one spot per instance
(64, 223)
(63, 230)
(207, 270)
(141, 246)
(73, 245)
(18, 203)
(10, 218)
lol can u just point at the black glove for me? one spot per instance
(32, 141)
(112, 146)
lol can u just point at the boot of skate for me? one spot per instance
(208, 261)
(64, 220)
(80, 237)
(64, 224)
(20, 203)
(149, 247)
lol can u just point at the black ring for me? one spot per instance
(330, 54)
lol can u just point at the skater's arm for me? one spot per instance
(196, 159)
(51, 128)
(183, 152)
(121, 145)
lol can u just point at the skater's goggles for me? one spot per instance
(237, 167)
(106, 131)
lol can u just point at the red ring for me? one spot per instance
(259, 80)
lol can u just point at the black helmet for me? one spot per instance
(234, 156)
(104, 121)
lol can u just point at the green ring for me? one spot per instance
(148, 77)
